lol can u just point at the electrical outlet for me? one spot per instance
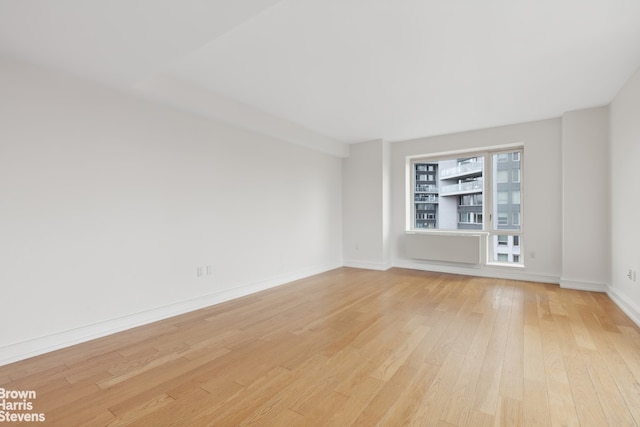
(199, 272)
(631, 275)
(209, 270)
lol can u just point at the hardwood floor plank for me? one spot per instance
(509, 412)
(512, 377)
(464, 393)
(134, 414)
(479, 419)
(284, 418)
(433, 400)
(628, 346)
(360, 395)
(617, 368)
(533, 357)
(244, 404)
(491, 371)
(535, 404)
(584, 394)
(611, 400)
(562, 408)
(400, 354)
(374, 413)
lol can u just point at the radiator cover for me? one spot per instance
(456, 248)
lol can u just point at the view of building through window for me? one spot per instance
(454, 192)
(506, 207)
(449, 194)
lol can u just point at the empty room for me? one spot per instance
(319, 213)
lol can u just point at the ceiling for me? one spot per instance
(329, 72)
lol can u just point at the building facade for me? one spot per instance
(449, 195)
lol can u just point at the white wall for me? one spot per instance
(365, 205)
(585, 199)
(108, 203)
(542, 213)
(625, 196)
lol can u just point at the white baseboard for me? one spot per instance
(366, 265)
(34, 347)
(626, 305)
(582, 285)
(478, 270)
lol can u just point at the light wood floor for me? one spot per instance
(355, 347)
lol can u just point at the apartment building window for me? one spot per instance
(503, 219)
(506, 232)
(515, 197)
(471, 200)
(425, 206)
(470, 218)
(475, 191)
(515, 175)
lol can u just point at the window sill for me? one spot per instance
(449, 232)
(504, 265)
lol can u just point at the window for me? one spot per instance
(427, 215)
(503, 219)
(470, 200)
(470, 218)
(425, 225)
(425, 177)
(516, 218)
(425, 206)
(507, 208)
(506, 249)
(515, 197)
(503, 197)
(452, 182)
(452, 192)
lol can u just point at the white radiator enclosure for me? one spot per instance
(457, 248)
